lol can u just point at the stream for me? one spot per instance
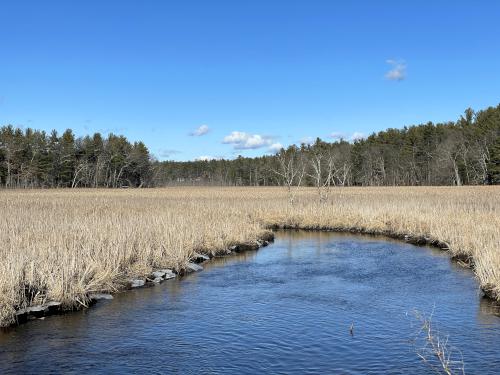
(311, 302)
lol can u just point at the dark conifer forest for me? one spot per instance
(463, 152)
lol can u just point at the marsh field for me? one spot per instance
(62, 245)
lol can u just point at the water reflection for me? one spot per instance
(489, 310)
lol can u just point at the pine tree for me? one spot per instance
(494, 164)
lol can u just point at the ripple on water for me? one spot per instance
(284, 309)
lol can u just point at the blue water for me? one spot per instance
(284, 309)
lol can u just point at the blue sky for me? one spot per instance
(222, 78)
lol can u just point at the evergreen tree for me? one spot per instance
(464, 152)
(494, 164)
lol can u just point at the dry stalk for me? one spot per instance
(63, 244)
(435, 349)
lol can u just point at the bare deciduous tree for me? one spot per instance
(323, 167)
(290, 170)
(451, 152)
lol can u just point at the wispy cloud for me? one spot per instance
(167, 153)
(356, 136)
(275, 147)
(208, 158)
(200, 130)
(338, 135)
(307, 140)
(398, 71)
(105, 131)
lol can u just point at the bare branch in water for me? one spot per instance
(435, 349)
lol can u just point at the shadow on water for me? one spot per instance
(287, 308)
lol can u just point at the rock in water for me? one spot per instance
(169, 274)
(37, 309)
(197, 257)
(136, 283)
(53, 306)
(157, 274)
(98, 296)
(193, 267)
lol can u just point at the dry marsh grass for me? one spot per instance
(62, 244)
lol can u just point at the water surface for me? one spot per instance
(285, 309)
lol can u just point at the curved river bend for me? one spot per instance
(285, 309)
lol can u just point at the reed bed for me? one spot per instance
(61, 245)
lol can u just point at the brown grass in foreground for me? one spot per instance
(62, 245)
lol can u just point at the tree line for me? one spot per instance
(34, 159)
(464, 152)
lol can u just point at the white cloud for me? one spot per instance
(205, 158)
(166, 153)
(356, 136)
(275, 147)
(246, 141)
(398, 71)
(201, 130)
(338, 135)
(308, 140)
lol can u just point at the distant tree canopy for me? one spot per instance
(33, 158)
(455, 153)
